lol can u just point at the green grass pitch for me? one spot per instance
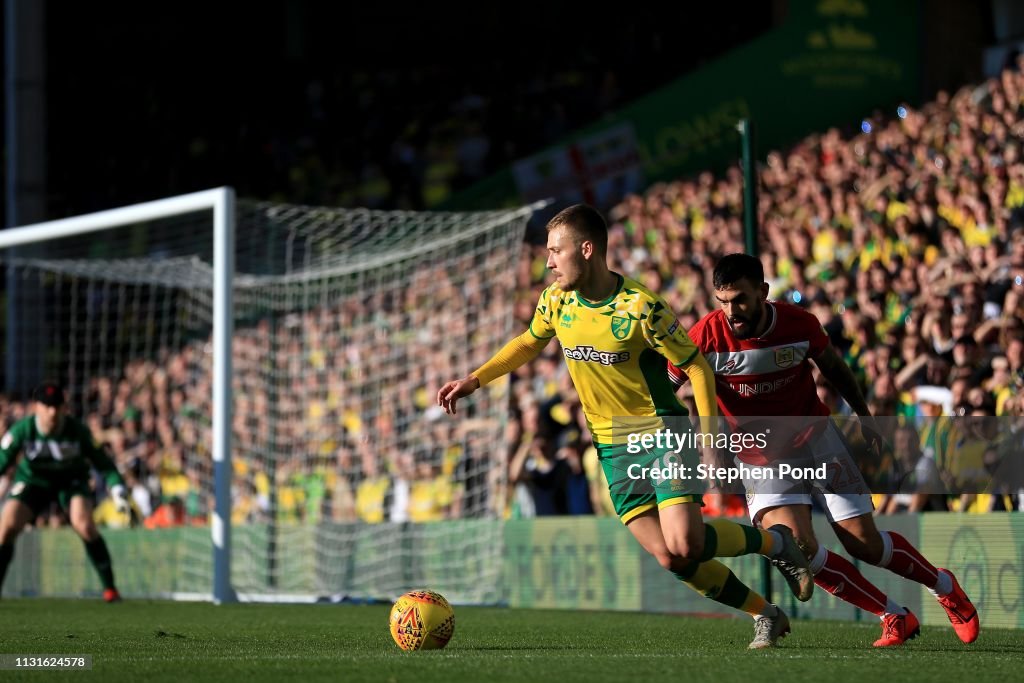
(154, 641)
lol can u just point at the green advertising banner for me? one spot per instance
(572, 563)
(588, 563)
(830, 63)
(461, 559)
(986, 553)
(23, 573)
(544, 557)
(158, 562)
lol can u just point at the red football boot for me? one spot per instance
(960, 610)
(898, 629)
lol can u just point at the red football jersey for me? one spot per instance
(769, 376)
(766, 376)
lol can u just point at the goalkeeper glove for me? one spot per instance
(120, 496)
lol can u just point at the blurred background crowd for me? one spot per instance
(905, 239)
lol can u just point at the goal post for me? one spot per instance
(221, 201)
(264, 371)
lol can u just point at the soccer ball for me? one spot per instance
(422, 620)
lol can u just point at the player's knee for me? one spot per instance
(666, 560)
(686, 547)
(86, 529)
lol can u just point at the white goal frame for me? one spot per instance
(221, 201)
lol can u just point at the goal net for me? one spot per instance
(346, 481)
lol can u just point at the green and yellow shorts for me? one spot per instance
(634, 491)
(38, 493)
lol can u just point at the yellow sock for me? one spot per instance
(709, 579)
(714, 580)
(723, 538)
(767, 543)
(754, 605)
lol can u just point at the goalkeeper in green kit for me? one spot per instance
(57, 451)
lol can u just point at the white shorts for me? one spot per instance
(843, 493)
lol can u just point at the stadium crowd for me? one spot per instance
(906, 240)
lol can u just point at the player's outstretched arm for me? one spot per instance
(842, 378)
(101, 461)
(454, 390)
(516, 353)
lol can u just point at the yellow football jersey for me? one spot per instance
(370, 497)
(616, 351)
(429, 499)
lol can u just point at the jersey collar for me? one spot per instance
(599, 304)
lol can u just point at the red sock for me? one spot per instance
(840, 578)
(901, 558)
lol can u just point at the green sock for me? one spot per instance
(6, 553)
(100, 558)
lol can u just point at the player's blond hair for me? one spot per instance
(586, 224)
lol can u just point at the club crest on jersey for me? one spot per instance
(785, 356)
(621, 327)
